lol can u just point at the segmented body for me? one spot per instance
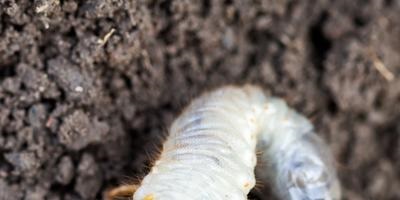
(294, 158)
(210, 152)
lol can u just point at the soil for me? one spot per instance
(88, 89)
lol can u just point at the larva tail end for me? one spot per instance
(121, 192)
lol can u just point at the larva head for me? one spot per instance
(307, 172)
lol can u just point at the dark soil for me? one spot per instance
(81, 112)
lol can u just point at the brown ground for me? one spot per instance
(81, 111)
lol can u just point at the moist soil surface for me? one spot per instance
(88, 89)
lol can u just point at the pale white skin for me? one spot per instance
(210, 152)
(294, 158)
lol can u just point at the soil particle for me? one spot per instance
(9, 192)
(38, 193)
(37, 114)
(4, 116)
(65, 170)
(46, 6)
(22, 162)
(89, 178)
(77, 131)
(77, 84)
(11, 85)
(70, 6)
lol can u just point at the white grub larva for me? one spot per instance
(210, 152)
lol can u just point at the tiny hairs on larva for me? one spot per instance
(210, 153)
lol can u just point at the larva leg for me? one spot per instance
(210, 152)
(123, 191)
(298, 161)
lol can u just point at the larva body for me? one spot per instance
(296, 160)
(210, 151)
